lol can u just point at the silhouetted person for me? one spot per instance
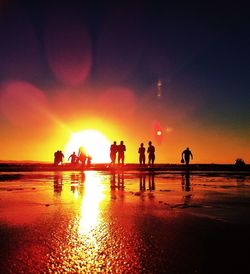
(60, 157)
(141, 152)
(82, 156)
(186, 154)
(113, 151)
(89, 159)
(121, 153)
(73, 157)
(151, 153)
(56, 158)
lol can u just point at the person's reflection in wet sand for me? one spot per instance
(81, 183)
(186, 187)
(113, 186)
(151, 181)
(117, 177)
(74, 179)
(120, 181)
(113, 181)
(186, 181)
(58, 184)
(77, 183)
(142, 181)
(117, 184)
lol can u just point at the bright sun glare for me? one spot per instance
(95, 144)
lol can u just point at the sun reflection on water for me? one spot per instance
(91, 203)
(90, 230)
(81, 244)
(89, 239)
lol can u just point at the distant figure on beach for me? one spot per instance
(141, 152)
(61, 156)
(58, 157)
(82, 156)
(89, 159)
(113, 151)
(186, 154)
(121, 153)
(74, 158)
(151, 153)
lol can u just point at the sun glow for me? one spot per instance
(94, 143)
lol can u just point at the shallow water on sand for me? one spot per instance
(120, 222)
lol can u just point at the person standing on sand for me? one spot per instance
(113, 151)
(89, 159)
(82, 156)
(60, 157)
(186, 154)
(121, 150)
(74, 158)
(141, 152)
(56, 156)
(151, 153)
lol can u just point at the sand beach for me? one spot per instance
(124, 221)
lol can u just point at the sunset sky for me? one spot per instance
(70, 67)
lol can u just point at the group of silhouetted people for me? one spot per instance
(118, 150)
(58, 157)
(151, 154)
(82, 158)
(121, 148)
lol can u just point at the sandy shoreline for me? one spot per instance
(124, 222)
(26, 167)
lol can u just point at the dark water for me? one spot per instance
(102, 222)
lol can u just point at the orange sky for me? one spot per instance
(126, 71)
(34, 126)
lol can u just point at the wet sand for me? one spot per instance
(37, 166)
(126, 221)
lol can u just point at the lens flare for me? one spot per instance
(23, 104)
(157, 132)
(68, 49)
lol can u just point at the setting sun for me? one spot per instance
(94, 143)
